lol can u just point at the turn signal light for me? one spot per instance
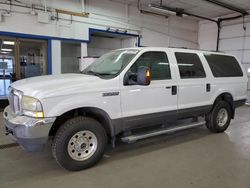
(39, 114)
(148, 77)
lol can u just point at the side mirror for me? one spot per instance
(143, 76)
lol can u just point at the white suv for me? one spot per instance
(119, 95)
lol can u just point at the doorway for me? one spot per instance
(21, 58)
(102, 42)
(70, 53)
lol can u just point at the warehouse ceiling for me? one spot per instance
(198, 7)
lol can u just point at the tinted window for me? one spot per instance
(157, 62)
(189, 65)
(223, 66)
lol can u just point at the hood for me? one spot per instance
(58, 85)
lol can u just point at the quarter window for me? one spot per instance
(157, 62)
(189, 65)
(223, 66)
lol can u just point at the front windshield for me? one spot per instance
(111, 64)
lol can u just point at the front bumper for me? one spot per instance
(30, 133)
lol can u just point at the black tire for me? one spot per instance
(66, 132)
(211, 119)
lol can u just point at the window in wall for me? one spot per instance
(223, 66)
(157, 62)
(21, 58)
(189, 65)
(32, 57)
(70, 52)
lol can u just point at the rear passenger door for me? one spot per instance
(193, 85)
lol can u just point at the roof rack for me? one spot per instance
(196, 49)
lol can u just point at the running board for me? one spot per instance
(134, 138)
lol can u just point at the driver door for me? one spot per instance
(152, 104)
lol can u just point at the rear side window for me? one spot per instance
(190, 65)
(223, 66)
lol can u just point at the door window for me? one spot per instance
(223, 66)
(190, 65)
(157, 62)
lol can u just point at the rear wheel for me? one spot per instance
(79, 143)
(219, 118)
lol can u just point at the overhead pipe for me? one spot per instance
(201, 17)
(220, 20)
(65, 19)
(228, 6)
(218, 35)
(45, 5)
(83, 6)
(180, 12)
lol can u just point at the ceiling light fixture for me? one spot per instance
(6, 50)
(9, 42)
(160, 9)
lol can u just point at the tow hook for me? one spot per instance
(8, 131)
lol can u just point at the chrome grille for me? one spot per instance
(15, 101)
(11, 100)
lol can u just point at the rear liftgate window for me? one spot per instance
(223, 66)
(189, 65)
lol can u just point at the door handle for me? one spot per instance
(208, 87)
(168, 87)
(174, 90)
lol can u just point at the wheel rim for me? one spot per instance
(82, 145)
(222, 117)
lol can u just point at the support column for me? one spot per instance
(56, 56)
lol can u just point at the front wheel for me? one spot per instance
(219, 118)
(79, 143)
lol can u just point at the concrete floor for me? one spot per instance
(193, 158)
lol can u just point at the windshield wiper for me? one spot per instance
(93, 73)
(98, 73)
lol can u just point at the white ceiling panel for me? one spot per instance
(244, 4)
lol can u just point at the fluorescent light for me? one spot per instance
(160, 9)
(6, 50)
(185, 65)
(162, 63)
(248, 70)
(9, 42)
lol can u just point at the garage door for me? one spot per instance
(235, 40)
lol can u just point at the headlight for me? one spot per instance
(32, 107)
